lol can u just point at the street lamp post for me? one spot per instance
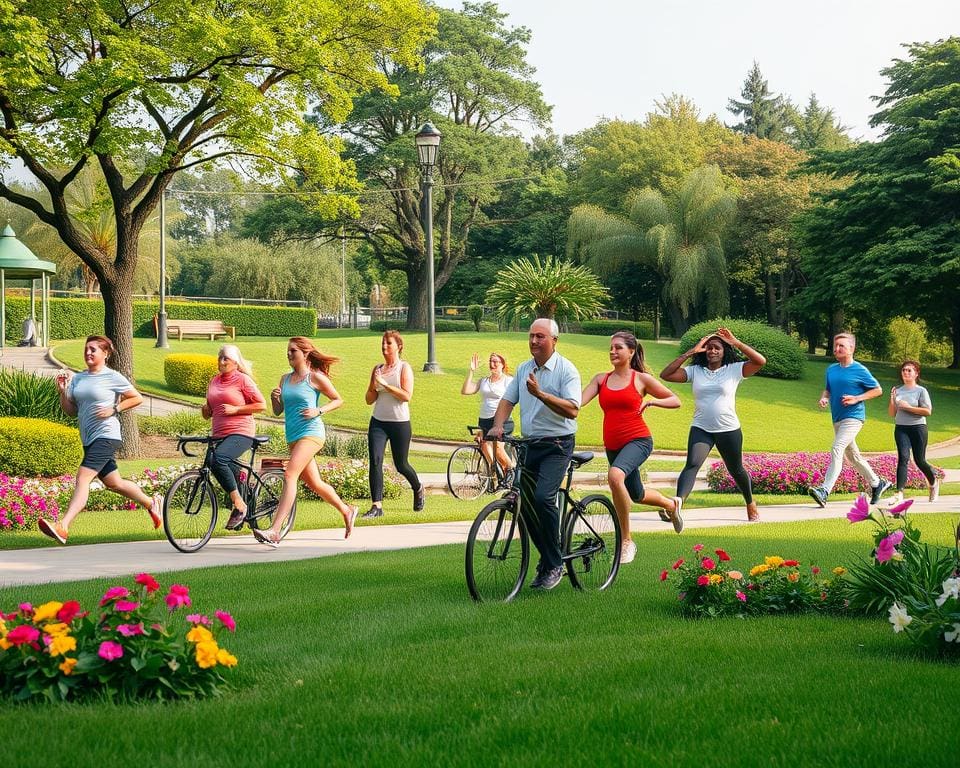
(162, 342)
(428, 144)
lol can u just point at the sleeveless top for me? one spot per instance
(296, 397)
(490, 394)
(621, 420)
(386, 407)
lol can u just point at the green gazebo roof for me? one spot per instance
(17, 261)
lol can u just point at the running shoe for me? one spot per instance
(156, 511)
(52, 530)
(675, 517)
(818, 495)
(878, 490)
(628, 551)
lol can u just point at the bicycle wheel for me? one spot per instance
(498, 553)
(468, 474)
(592, 543)
(189, 511)
(266, 498)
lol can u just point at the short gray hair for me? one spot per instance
(846, 335)
(554, 328)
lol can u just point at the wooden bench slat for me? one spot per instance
(210, 328)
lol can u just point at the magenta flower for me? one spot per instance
(703, 580)
(125, 606)
(23, 635)
(198, 618)
(697, 547)
(887, 547)
(741, 596)
(113, 593)
(709, 564)
(859, 511)
(130, 630)
(178, 597)
(900, 508)
(109, 650)
(26, 609)
(147, 581)
(227, 620)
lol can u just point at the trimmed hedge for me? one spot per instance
(642, 329)
(785, 358)
(439, 325)
(78, 318)
(189, 373)
(38, 448)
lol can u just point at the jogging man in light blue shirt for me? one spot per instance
(548, 389)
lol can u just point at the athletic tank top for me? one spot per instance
(622, 421)
(386, 407)
(296, 397)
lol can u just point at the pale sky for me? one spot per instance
(614, 58)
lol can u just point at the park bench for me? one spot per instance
(208, 328)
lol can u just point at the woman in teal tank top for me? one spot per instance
(298, 399)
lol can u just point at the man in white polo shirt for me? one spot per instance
(548, 390)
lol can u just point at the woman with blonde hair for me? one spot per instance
(298, 398)
(232, 399)
(491, 389)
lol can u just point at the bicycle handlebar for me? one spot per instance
(184, 440)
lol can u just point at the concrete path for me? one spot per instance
(73, 563)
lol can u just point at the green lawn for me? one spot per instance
(382, 660)
(776, 415)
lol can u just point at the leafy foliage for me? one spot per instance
(642, 330)
(189, 373)
(177, 423)
(785, 360)
(32, 396)
(36, 447)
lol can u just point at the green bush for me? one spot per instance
(350, 478)
(475, 313)
(38, 448)
(785, 359)
(189, 373)
(439, 325)
(343, 447)
(177, 423)
(642, 330)
(31, 396)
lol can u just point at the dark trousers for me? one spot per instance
(912, 437)
(399, 434)
(219, 459)
(544, 466)
(730, 447)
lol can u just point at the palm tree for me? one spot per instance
(549, 288)
(678, 237)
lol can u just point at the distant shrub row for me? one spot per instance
(440, 326)
(642, 329)
(785, 359)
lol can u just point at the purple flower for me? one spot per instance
(859, 511)
(900, 508)
(110, 650)
(887, 547)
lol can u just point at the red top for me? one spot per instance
(233, 389)
(622, 421)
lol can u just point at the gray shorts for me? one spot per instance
(628, 460)
(98, 456)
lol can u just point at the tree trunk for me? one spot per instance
(417, 298)
(955, 336)
(677, 320)
(118, 327)
(771, 295)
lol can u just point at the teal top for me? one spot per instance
(296, 397)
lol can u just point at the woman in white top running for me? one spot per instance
(491, 389)
(715, 374)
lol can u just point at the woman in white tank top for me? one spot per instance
(491, 389)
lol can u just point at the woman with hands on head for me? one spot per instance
(623, 396)
(491, 389)
(232, 399)
(715, 374)
(389, 392)
(298, 399)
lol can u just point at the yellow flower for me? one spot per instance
(736, 575)
(46, 611)
(839, 570)
(67, 666)
(200, 635)
(715, 578)
(774, 561)
(226, 658)
(793, 576)
(4, 644)
(56, 629)
(758, 569)
(60, 644)
(207, 654)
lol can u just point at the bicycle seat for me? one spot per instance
(580, 458)
(261, 439)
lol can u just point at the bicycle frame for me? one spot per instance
(250, 483)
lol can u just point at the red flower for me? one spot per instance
(724, 557)
(23, 635)
(68, 611)
(703, 580)
(663, 575)
(790, 563)
(814, 570)
(678, 564)
(709, 564)
(148, 581)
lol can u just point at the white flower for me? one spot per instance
(951, 588)
(954, 636)
(899, 617)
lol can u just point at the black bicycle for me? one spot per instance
(470, 475)
(190, 505)
(498, 546)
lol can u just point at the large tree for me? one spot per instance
(890, 240)
(762, 113)
(143, 89)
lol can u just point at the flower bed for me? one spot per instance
(23, 500)
(138, 644)
(795, 472)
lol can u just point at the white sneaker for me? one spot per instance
(628, 551)
(897, 498)
(675, 517)
(935, 490)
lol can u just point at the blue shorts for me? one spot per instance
(98, 456)
(628, 460)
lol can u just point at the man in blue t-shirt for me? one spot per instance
(848, 385)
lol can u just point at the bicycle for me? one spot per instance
(469, 473)
(498, 546)
(190, 505)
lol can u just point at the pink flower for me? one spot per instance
(113, 593)
(887, 547)
(724, 557)
(678, 564)
(227, 620)
(741, 596)
(697, 547)
(859, 511)
(709, 564)
(129, 630)
(178, 597)
(125, 606)
(663, 575)
(703, 580)
(26, 609)
(900, 508)
(814, 570)
(23, 635)
(110, 650)
(198, 618)
(148, 581)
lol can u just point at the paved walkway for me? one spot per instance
(73, 563)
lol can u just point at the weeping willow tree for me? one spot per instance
(678, 237)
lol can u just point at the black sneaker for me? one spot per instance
(373, 512)
(550, 578)
(235, 523)
(818, 496)
(878, 490)
(418, 499)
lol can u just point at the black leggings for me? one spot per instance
(730, 446)
(912, 437)
(399, 434)
(222, 456)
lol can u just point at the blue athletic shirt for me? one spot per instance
(853, 379)
(296, 397)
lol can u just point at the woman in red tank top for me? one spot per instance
(626, 436)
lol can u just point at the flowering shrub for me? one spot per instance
(139, 643)
(23, 500)
(708, 586)
(795, 472)
(931, 623)
(350, 478)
